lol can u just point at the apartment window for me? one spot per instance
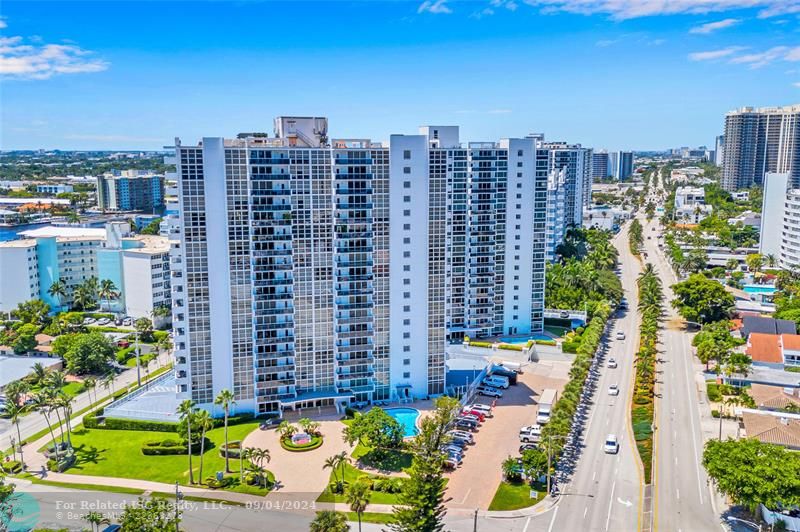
(516, 287)
(516, 317)
(519, 153)
(406, 240)
(519, 174)
(406, 361)
(519, 185)
(519, 206)
(516, 257)
(516, 298)
(519, 196)
(406, 227)
(406, 349)
(516, 277)
(406, 254)
(406, 308)
(516, 237)
(406, 169)
(406, 184)
(406, 321)
(519, 164)
(406, 154)
(407, 212)
(406, 281)
(516, 248)
(406, 267)
(516, 307)
(406, 295)
(518, 216)
(406, 335)
(406, 375)
(517, 227)
(406, 199)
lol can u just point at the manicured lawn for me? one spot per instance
(513, 496)
(351, 474)
(370, 517)
(117, 453)
(394, 461)
(88, 487)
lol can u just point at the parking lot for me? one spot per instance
(475, 481)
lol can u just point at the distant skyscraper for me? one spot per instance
(719, 150)
(601, 165)
(623, 168)
(760, 140)
(130, 193)
(317, 272)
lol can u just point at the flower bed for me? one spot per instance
(316, 442)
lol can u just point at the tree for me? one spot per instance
(152, 228)
(204, 424)
(421, 502)
(286, 429)
(95, 519)
(225, 399)
(511, 469)
(38, 372)
(753, 473)
(754, 261)
(85, 353)
(186, 413)
(702, 300)
(90, 383)
(58, 290)
(41, 403)
(357, 496)
(108, 291)
(145, 329)
(14, 411)
(258, 457)
(151, 515)
(25, 339)
(534, 462)
(329, 521)
(34, 311)
(377, 429)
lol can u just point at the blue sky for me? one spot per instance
(621, 74)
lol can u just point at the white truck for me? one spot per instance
(546, 402)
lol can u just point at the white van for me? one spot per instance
(513, 366)
(498, 381)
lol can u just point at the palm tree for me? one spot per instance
(257, 457)
(90, 383)
(108, 381)
(186, 412)
(58, 290)
(41, 403)
(64, 401)
(332, 463)
(771, 260)
(204, 423)
(225, 399)
(343, 459)
(108, 291)
(82, 298)
(96, 519)
(14, 411)
(39, 373)
(357, 496)
(286, 430)
(329, 521)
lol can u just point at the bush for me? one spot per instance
(12, 466)
(570, 347)
(793, 369)
(170, 447)
(124, 354)
(234, 449)
(712, 390)
(112, 423)
(62, 465)
(316, 442)
(546, 342)
(214, 484)
(349, 413)
(487, 345)
(511, 347)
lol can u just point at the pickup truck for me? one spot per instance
(530, 433)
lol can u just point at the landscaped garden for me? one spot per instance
(516, 495)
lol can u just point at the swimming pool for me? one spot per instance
(759, 289)
(407, 417)
(523, 340)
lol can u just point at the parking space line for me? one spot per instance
(553, 520)
(465, 496)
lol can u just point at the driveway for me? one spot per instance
(474, 483)
(299, 475)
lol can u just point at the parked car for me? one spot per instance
(489, 391)
(470, 417)
(486, 410)
(527, 447)
(477, 413)
(613, 389)
(453, 449)
(103, 321)
(127, 322)
(611, 446)
(457, 458)
(620, 335)
(450, 463)
(612, 363)
(88, 321)
(466, 424)
(497, 381)
(530, 433)
(460, 434)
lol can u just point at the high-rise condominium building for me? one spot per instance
(130, 193)
(758, 141)
(623, 165)
(601, 165)
(316, 272)
(576, 162)
(719, 150)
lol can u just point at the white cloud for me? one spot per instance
(797, 84)
(3, 24)
(437, 7)
(43, 61)
(711, 27)
(714, 54)
(627, 9)
(761, 59)
(657, 42)
(793, 54)
(604, 43)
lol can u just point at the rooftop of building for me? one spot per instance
(771, 427)
(766, 348)
(794, 108)
(760, 324)
(24, 243)
(68, 232)
(149, 244)
(774, 397)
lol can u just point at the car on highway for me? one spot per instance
(611, 446)
(612, 363)
(613, 389)
(530, 433)
(489, 391)
(620, 335)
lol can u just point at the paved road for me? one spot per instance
(34, 422)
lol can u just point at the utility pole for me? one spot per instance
(178, 498)
(138, 367)
(475, 521)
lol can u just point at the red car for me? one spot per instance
(480, 415)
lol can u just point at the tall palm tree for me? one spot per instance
(258, 456)
(64, 401)
(357, 496)
(107, 291)
(81, 298)
(41, 403)
(343, 459)
(39, 372)
(186, 412)
(90, 383)
(58, 290)
(14, 411)
(204, 424)
(108, 381)
(332, 463)
(225, 399)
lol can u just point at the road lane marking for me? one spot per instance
(677, 494)
(689, 382)
(584, 512)
(466, 495)
(610, 504)
(553, 520)
(676, 460)
(594, 475)
(527, 523)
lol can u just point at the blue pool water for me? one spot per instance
(407, 417)
(523, 340)
(759, 289)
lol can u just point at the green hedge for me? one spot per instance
(12, 466)
(793, 369)
(124, 354)
(170, 447)
(511, 347)
(712, 390)
(545, 342)
(487, 345)
(316, 442)
(90, 421)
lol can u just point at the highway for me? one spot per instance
(683, 500)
